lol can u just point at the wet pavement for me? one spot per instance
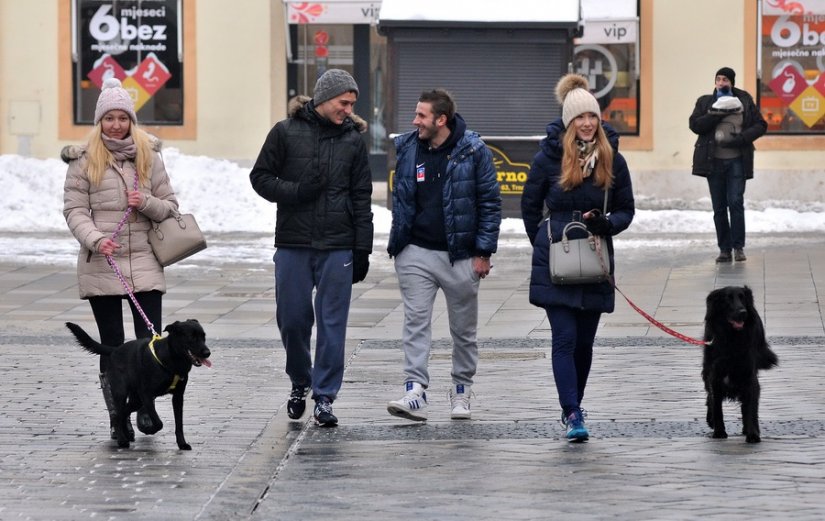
(649, 456)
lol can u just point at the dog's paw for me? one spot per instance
(184, 446)
(146, 425)
(720, 435)
(753, 438)
(123, 444)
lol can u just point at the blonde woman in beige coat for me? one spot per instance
(100, 186)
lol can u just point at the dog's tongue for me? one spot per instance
(737, 325)
(206, 362)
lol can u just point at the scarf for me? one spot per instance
(588, 154)
(121, 149)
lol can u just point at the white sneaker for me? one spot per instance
(460, 402)
(413, 405)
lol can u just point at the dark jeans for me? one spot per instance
(727, 195)
(573, 332)
(329, 272)
(108, 312)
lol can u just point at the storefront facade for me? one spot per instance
(211, 78)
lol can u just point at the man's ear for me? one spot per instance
(441, 120)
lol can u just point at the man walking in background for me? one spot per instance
(727, 123)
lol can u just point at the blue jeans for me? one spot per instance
(727, 195)
(329, 272)
(573, 333)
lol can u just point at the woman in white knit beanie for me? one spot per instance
(577, 175)
(118, 168)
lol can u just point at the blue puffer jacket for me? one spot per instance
(542, 189)
(471, 198)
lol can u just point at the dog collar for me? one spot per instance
(176, 378)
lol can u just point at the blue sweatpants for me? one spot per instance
(573, 332)
(329, 272)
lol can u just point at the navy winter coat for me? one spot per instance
(542, 189)
(472, 203)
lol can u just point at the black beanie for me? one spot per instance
(728, 73)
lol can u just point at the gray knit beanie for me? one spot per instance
(333, 83)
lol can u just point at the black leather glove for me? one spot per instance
(360, 265)
(598, 224)
(309, 189)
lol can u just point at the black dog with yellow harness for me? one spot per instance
(141, 370)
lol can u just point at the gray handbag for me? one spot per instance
(579, 261)
(176, 238)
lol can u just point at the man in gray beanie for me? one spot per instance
(726, 122)
(332, 84)
(314, 166)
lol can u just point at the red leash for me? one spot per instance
(656, 323)
(642, 312)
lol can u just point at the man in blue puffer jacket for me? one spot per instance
(446, 213)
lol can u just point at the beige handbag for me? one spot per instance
(176, 238)
(579, 261)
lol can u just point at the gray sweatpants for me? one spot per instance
(421, 272)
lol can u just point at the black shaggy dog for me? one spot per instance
(736, 350)
(140, 370)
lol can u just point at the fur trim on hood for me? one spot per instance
(71, 152)
(298, 102)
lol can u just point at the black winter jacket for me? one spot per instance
(296, 148)
(704, 124)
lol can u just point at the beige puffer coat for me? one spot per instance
(93, 213)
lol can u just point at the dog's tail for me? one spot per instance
(87, 342)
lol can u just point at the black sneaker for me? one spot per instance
(297, 403)
(739, 255)
(323, 413)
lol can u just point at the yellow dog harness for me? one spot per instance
(176, 377)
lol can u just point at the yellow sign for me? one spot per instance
(511, 176)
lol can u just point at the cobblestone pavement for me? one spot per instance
(649, 457)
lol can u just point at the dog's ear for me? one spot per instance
(171, 327)
(712, 302)
(748, 297)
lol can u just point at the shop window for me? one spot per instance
(137, 42)
(607, 53)
(791, 86)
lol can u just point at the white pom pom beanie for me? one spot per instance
(575, 99)
(114, 97)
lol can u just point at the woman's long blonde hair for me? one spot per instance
(99, 158)
(572, 174)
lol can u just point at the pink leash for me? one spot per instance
(119, 274)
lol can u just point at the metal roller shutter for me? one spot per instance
(502, 80)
